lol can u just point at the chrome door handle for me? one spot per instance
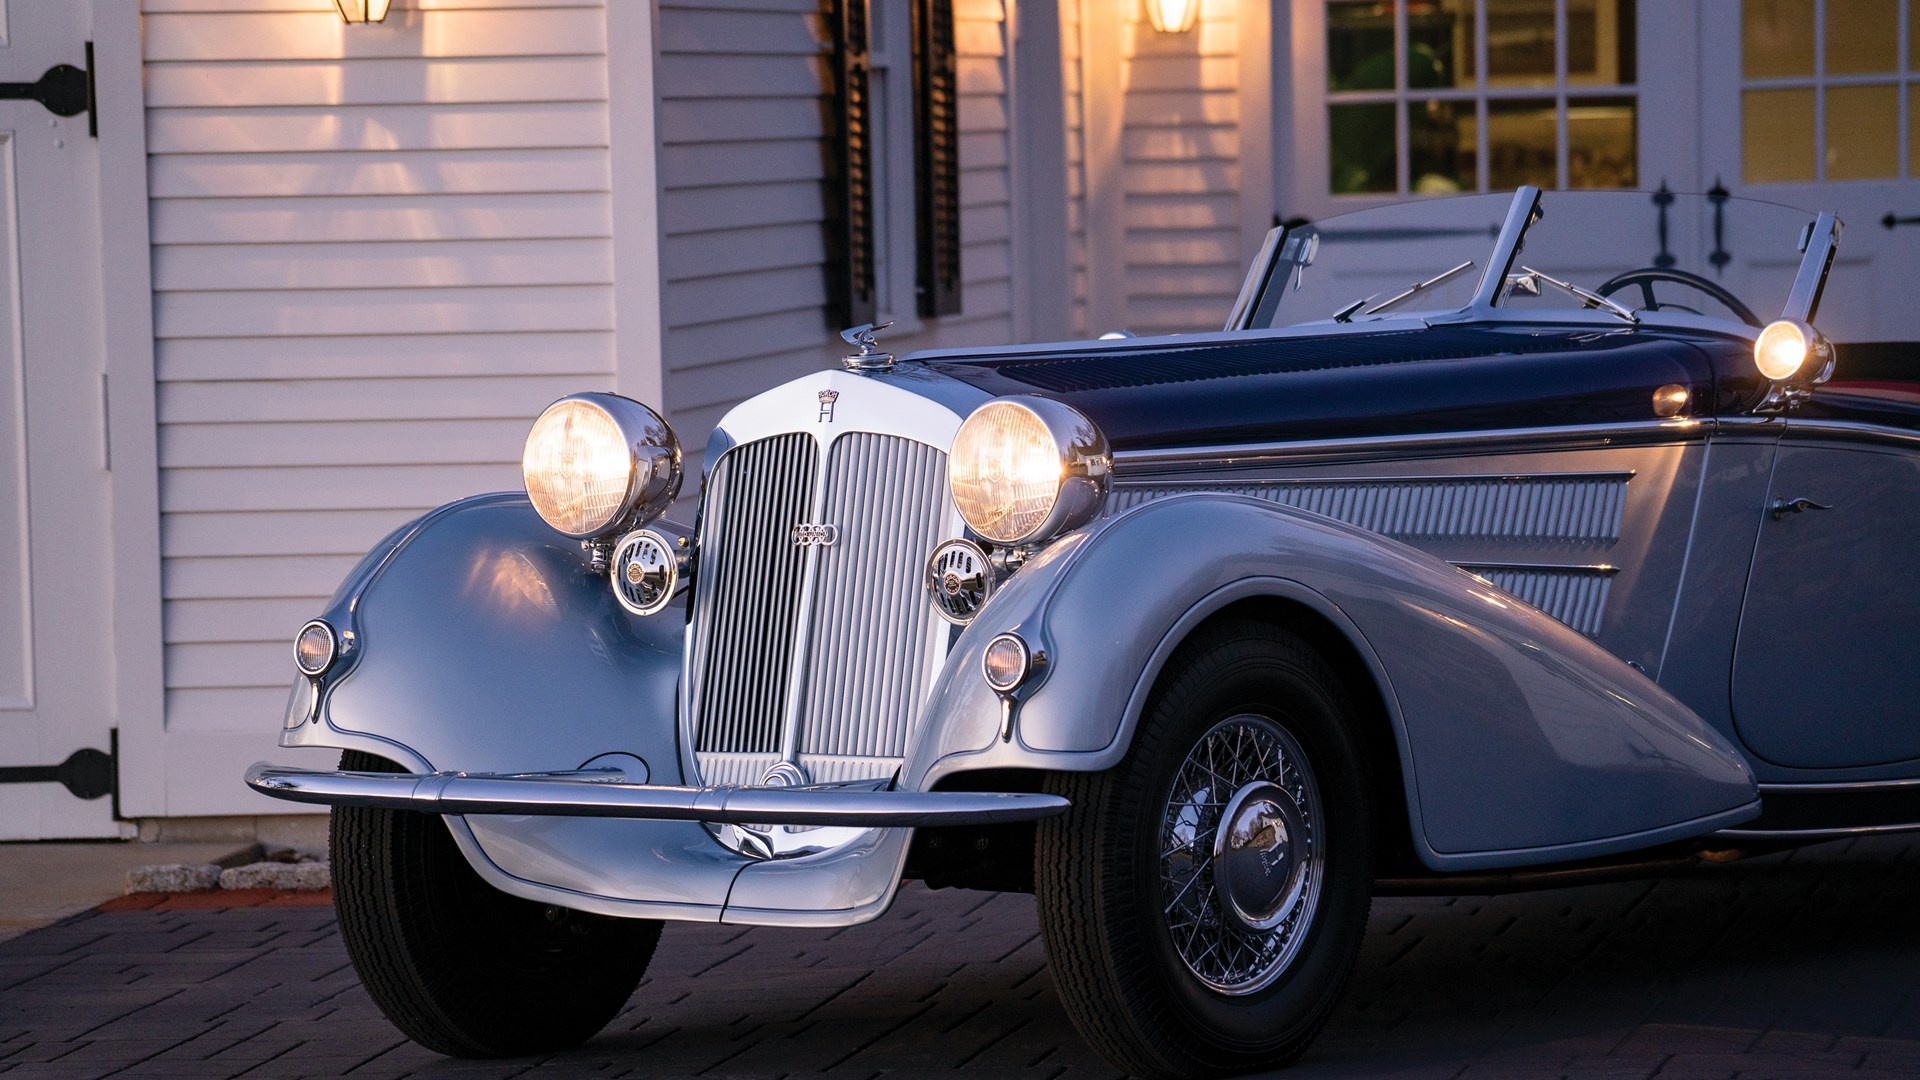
(1782, 506)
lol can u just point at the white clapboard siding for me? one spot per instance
(1180, 174)
(377, 253)
(741, 89)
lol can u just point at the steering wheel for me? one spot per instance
(1647, 275)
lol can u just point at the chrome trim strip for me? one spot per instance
(1853, 430)
(1837, 785)
(1772, 426)
(1815, 834)
(1553, 568)
(1396, 446)
(1622, 475)
(569, 795)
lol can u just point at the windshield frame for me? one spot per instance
(1817, 246)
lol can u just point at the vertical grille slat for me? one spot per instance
(868, 631)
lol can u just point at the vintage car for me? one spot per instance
(1498, 541)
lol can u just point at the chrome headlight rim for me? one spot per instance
(1086, 468)
(331, 656)
(1809, 353)
(1007, 679)
(652, 465)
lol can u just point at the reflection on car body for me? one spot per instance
(1534, 563)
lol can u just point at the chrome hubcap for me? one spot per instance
(1257, 869)
(1240, 863)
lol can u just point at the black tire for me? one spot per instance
(458, 966)
(1099, 867)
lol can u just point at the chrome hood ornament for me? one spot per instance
(870, 357)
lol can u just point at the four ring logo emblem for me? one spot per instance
(807, 533)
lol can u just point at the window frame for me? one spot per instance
(892, 188)
(1312, 83)
(1904, 79)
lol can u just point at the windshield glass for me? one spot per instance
(1323, 267)
(1726, 258)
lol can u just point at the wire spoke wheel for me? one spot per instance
(1240, 862)
(1202, 900)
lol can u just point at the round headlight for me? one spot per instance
(597, 462)
(1027, 469)
(1782, 349)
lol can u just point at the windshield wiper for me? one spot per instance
(1347, 313)
(1593, 299)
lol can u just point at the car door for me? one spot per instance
(1826, 672)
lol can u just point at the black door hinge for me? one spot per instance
(64, 89)
(87, 773)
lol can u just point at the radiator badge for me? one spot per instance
(827, 400)
(807, 534)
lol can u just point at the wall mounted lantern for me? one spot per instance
(1173, 16)
(362, 11)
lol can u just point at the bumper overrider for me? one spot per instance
(608, 793)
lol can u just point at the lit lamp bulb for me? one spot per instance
(362, 11)
(1173, 16)
(1781, 349)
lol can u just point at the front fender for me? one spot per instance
(1520, 740)
(481, 642)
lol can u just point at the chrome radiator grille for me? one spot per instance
(867, 664)
(866, 637)
(747, 605)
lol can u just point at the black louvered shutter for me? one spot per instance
(936, 85)
(849, 186)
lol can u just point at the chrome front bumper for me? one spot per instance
(607, 793)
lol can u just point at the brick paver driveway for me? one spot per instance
(1798, 965)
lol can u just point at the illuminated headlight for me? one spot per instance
(1784, 348)
(597, 462)
(1027, 469)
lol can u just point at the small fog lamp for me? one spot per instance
(1005, 662)
(315, 649)
(1782, 349)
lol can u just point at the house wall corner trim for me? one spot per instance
(634, 156)
(126, 269)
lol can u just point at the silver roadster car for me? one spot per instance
(1496, 542)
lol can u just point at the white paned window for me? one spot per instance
(1826, 89)
(1446, 96)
